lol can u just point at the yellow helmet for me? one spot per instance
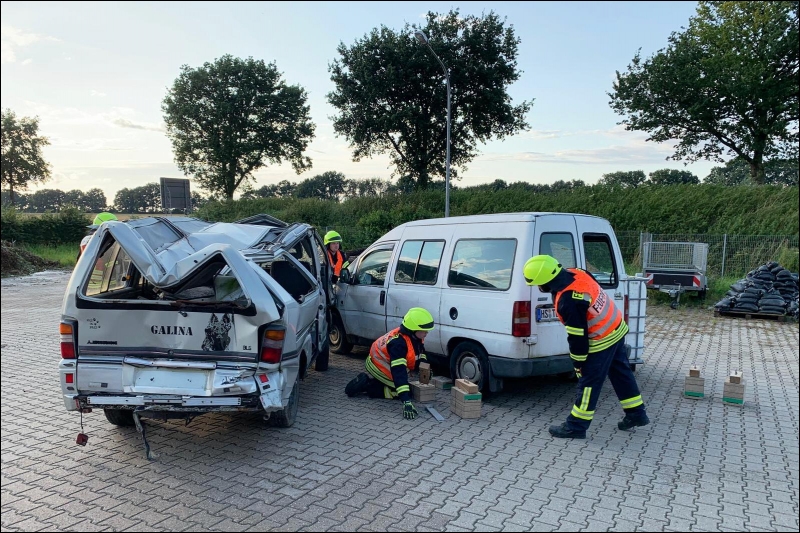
(541, 269)
(100, 218)
(418, 319)
(332, 236)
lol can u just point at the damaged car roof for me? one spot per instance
(165, 250)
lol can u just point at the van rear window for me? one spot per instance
(482, 264)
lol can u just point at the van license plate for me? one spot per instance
(546, 314)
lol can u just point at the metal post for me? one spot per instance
(724, 247)
(447, 162)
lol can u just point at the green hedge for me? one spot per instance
(714, 209)
(65, 227)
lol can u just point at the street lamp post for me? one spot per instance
(423, 39)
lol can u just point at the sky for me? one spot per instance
(96, 73)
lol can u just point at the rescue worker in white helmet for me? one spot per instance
(596, 332)
(333, 243)
(92, 228)
(391, 357)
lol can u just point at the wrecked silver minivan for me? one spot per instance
(176, 317)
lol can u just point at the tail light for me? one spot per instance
(67, 340)
(626, 307)
(272, 345)
(521, 319)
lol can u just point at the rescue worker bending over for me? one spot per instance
(390, 358)
(596, 334)
(333, 241)
(99, 219)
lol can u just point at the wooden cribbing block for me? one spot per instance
(694, 385)
(733, 391)
(466, 386)
(442, 383)
(424, 373)
(423, 392)
(465, 404)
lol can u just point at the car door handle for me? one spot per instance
(383, 297)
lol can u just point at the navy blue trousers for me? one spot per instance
(611, 362)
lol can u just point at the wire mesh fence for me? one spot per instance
(728, 255)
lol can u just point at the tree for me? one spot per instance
(22, 160)
(631, 179)
(737, 172)
(282, 189)
(229, 118)
(370, 187)
(671, 176)
(144, 199)
(94, 200)
(728, 83)
(328, 186)
(46, 200)
(391, 97)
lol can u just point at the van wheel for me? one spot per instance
(120, 417)
(469, 361)
(285, 418)
(338, 337)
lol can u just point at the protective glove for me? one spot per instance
(578, 372)
(409, 411)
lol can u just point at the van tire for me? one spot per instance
(469, 361)
(338, 337)
(120, 417)
(286, 417)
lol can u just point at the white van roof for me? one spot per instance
(494, 218)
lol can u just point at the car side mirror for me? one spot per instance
(344, 277)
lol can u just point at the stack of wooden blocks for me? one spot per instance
(733, 389)
(466, 400)
(694, 385)
(423, 390)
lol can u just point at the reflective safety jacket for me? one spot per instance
(336, 260)
(391, 356)
(592, 320)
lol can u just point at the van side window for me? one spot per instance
(419, 262)
(111, 271)
(561, 246)
(372, 269)
(482, 264)
(600, 259)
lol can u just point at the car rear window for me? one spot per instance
(482, 264)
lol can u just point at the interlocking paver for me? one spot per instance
(700, 466)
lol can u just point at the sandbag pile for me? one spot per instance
(769, 289)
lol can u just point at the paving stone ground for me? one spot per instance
(356, 465)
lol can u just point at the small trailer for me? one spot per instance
(675, 267)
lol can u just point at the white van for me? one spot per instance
(467, 271)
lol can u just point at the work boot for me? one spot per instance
(631, 421)
(357, 385)
(563, 432)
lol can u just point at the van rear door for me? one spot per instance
(555, 235)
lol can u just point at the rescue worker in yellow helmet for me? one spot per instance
(333, 243)
(596, 333)
(92, 228)
(391, 357)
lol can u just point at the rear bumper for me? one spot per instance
(163, 403)
(503, 367)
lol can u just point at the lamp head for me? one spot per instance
(421, 37)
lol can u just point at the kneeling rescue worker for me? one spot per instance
(390, 358)
(596, 333)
